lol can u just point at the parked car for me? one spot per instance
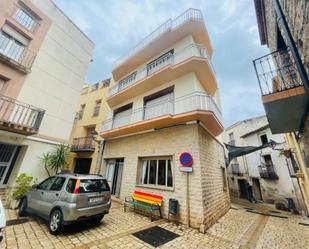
(2, 220)
(68, 198)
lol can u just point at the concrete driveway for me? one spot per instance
(241, 227)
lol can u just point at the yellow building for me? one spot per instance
(91, 111)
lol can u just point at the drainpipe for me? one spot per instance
(100, 156)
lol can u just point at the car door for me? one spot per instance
(52, 195)
(35, 198)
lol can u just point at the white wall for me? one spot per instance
(58, 73)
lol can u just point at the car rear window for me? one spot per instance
(88, 185)
(93, 185)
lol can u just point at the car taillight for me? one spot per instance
(76, 186)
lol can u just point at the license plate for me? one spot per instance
(95, 200)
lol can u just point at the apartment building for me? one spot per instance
(267, 171)
(164, 101)
(86, 145)
(283, 77)
(43, 62)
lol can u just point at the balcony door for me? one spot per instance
(159, 104)
(8, 155)
(122, 115)
(10, 47)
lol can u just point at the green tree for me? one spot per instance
(56, 159)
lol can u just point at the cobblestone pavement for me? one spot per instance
(239, 228)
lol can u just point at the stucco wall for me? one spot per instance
(204, 201)
(58, 73)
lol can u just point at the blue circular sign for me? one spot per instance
(186, 159)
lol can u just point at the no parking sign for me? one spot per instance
(186, 161)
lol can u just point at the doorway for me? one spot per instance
(256, 187)
(114, 171)
(82, 165)
(242, 188)
(8, 156)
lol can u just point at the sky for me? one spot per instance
(116, 26)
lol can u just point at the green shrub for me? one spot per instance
(24, 183)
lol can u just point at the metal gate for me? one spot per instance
(7, 153)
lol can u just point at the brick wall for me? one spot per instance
(205, 183)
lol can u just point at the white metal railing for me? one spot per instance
(188, 15)
(197, 101)
(170, 59)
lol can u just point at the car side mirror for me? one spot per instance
(34, 186)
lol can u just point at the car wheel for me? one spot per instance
(55, 222)
(23, 207)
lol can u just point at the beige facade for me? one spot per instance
(164, 101)
(44, 58)
(91, 110)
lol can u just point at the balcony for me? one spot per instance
(188, 23)
(267, 171)
(83, 144)
(19, 117)
(193, 58)
(283, 93)
(195, 106)
(15, 54)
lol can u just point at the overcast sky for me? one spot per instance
(116, 26)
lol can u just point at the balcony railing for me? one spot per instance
(20, 116)
(170, 59)
(197, 101)
(83, 144)
(15, 53)
(277, 72)
(189, 15)
(267, 171)
(24, 18)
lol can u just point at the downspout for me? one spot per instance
(100, 156)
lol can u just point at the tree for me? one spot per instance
(45, 159)
(56, 159)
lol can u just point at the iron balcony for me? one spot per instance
(19, 117)
(267, 171)
(282, 90)
(83, 144)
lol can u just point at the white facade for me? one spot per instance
(54, 84)
(245, 169)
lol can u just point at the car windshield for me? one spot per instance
(93, 185)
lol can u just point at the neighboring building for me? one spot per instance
(43, 62)
(283, 77)
(266, 170)
(85, 144)
(164, 101)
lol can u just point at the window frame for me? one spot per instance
(260, 137)
(51, 177)
(64, 183)
(156, 185)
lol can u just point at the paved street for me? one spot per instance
(241, 227)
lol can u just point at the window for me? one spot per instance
(156, 172)
(268, 161)
(231, 138)
(264, 139)
(93, 185)
(97, 107)
(46, 184)
(71, 185)
(10, 47)
(25, 18)
(106, 83)
(122, 115)
(81, 112)
(58, 183)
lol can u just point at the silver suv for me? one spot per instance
(68, 198)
